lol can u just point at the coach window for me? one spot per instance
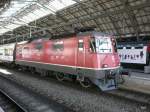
(120, 47)
(6, 52)
(58, 46)
(80, 45)
(128, 47)
(139, 47)
(1, 53)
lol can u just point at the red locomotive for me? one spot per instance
(87, 57)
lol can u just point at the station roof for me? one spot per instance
(117, 17)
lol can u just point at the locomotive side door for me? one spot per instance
(80, 53)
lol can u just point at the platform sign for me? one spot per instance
(133, 55)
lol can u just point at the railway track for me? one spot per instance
(28, 100)
(134, 70)
(139, 99)
(7, 105)
(132, 95)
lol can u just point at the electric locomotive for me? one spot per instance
(88, 56)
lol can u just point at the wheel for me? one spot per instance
(86, 83)
(60, 76)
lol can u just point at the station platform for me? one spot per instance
(137, 81)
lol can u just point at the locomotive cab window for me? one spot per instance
(114, 44)
(92, 45)
(80, 45)
(101, 45)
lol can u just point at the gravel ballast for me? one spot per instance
(76, 98)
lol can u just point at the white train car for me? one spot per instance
(7, 52)
(133, 54)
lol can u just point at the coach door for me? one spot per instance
(80, 53)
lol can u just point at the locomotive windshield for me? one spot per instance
(101, 45)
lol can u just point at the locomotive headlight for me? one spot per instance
(105, 65)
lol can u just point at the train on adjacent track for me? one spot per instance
(89, 57)
(134, 54)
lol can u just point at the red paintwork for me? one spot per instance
(70, 55)
(148, 48)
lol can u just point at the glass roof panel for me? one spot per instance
(15, 6)
(34, 9)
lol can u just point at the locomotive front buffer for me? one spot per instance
(110, 79)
